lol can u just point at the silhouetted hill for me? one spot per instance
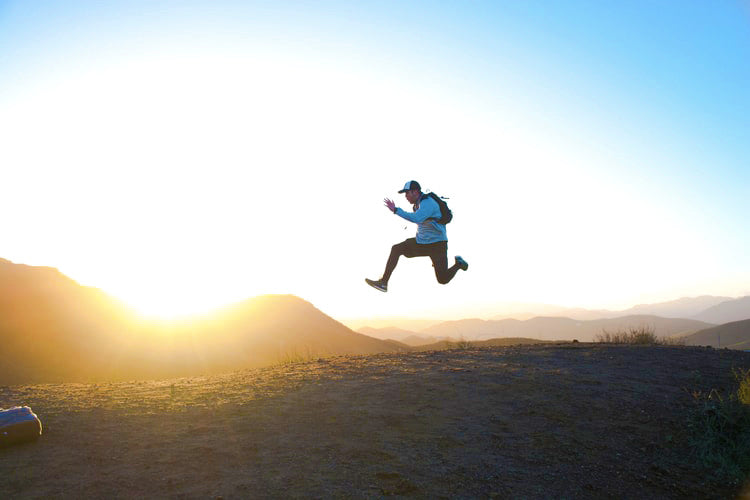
(580, 313)
(419, 340)
(504, 342)
(726, 312)
(734, 335)
(54, 329)
(280, 327)
(357, 324)
(51, 325)
(402, 347)
(545, 328)
(391, 333)
(406, 337)
(685, 307)
(523, 311)
(474, 329)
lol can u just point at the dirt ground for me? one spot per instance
(550, 421)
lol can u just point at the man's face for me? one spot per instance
(412, 196)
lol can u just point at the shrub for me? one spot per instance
(743, 391)
(720, 429)
(460, 344)
(672, 341)
(641, 335)
(294, 357)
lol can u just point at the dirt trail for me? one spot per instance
(575, 420)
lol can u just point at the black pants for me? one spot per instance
(438, 252)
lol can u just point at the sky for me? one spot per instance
(183, 155)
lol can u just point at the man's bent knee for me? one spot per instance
(443, 280)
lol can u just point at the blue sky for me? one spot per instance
(608, 129)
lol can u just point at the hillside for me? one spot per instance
(453, 344)
(726, 312)
(407, 337)
(684, 307)
(561, 421)
(411, 324)
(51, 325)
(546, 328)
(53, 329)
(734, 335)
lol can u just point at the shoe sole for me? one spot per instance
(376, 287)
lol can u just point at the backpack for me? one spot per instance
(445, 213)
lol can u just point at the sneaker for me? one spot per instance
(462, 264)
(378, 285)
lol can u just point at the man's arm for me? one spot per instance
(428, 209)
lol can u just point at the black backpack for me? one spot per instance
(445, 213)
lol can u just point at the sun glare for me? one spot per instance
(182, 183)
(173, 306)
(172, 240)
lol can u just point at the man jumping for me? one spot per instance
(431, 240)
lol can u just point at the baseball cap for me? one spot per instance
(411, 185)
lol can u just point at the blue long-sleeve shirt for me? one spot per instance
(426, 216)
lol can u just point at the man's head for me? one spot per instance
(413, 191)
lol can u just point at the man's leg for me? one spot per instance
(407, 248)
(439, 256)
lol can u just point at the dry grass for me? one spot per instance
(461, 343)
(295, 356)
(642, 335)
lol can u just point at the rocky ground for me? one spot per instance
(550, 421)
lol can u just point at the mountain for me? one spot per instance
(273, 327)
(522, 310)
(392, 333)
(474, 329)
(587, 314)
(357, 324)
(417, 340)
(504, 342)
(550, 328)
(685, 307)
(54, 329)
(734, 335)
(51, 325)
(726, 312)
(407, 337)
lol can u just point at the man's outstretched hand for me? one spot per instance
(390, 204)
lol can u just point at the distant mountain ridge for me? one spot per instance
(552, 328)
(734, 335)
(684, 307)
(727, 311)
(407, 337)
(54, 329)
(542, 328)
